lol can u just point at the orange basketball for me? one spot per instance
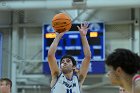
(61, 22)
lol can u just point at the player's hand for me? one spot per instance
(83, 28)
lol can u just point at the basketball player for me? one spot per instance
(64, 80)
(124, 66)
(5, 85)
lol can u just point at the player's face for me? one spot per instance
(66, 65)
(114, 78)
(4, 87)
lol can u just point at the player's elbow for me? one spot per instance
(50, 54)
(88, 56)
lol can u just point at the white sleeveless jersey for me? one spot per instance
(134, 83)
(64, 85)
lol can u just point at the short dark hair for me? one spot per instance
(124, 58)
(8, 81)
(70, 57)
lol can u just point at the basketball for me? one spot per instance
(61, 22)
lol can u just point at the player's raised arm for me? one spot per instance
(51, 56)
(87, 53)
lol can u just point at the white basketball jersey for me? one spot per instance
(64, 85)
(135, 79)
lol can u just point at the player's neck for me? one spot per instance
(127, 83)
(69, 75)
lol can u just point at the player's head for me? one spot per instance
(67, 63)
(122, 61)
(5, 85)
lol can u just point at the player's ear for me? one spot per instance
(76, 69)
(118, 70)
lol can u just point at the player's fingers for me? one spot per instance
(86, 24)
(78, 28)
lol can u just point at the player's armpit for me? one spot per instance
(81, 79)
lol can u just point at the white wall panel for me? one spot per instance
(33, 43)
(110, 15)
(39, 16)
(118, 36)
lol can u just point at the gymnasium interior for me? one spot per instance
(24, 25)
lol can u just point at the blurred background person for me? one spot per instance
(124, 66)
(5, 85)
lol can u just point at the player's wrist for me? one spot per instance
(82, 35)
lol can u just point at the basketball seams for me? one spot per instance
(61, 19)
(62, 26)
(68, 22)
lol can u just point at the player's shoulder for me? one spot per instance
(136, 77)
(136, 80)
(55, 80)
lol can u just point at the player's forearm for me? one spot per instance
(86, 47)
(54, 45)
